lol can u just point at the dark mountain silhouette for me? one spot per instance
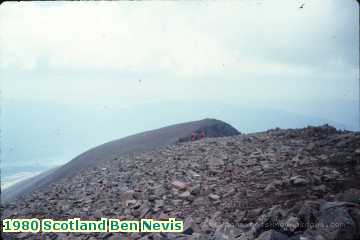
(131, 144)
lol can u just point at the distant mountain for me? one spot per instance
(131, 144)
(63, 131)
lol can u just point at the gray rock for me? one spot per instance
(292, 223)
(226, 231)
(298, 181)
(215, 182)
(185, 195)
(179, 184)
(355, 214)
(312, 235)
(350, 195)
(326, 205)
(309, 212)
(336, 223)
(320, 188)
(214, 197)
(271, 187)
(198, 236)
(272, 235)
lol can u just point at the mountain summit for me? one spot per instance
(135, 143)
(283, 184)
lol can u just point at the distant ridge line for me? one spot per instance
(147, 140)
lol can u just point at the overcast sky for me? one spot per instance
(78, 74)
(268, 52)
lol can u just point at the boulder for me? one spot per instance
(335, 223)
(226, 231)
(272, 235)
(179, 184)
(292, 223)
(350, 195)
(298, 181)
(214, 197)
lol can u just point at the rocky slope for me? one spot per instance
(135, 143)
(280, 184)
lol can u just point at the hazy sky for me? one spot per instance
(151, 51)
(78, 74)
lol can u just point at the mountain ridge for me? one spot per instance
(138, 142)
(286, 184)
